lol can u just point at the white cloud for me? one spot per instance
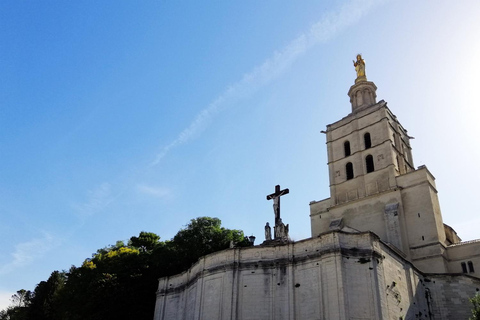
(97, 199)
(320, 32)
(26, 252)
(158, 192)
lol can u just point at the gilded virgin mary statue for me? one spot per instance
(360, 68)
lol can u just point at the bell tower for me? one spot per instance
(368, 148)
(374, 185)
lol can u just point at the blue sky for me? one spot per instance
(118, 116)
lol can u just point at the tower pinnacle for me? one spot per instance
(363, 93)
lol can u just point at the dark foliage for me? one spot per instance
(120, 281)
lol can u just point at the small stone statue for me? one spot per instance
(281, 230)
(268, 232)
(360, 68)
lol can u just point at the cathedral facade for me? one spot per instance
(379, 248)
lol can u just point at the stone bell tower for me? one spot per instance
(374, 185)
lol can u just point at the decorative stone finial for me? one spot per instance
(360, 68)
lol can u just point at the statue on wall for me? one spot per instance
(268, 232)
(360, 67)
(281, 230)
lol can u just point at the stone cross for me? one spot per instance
(276, 202)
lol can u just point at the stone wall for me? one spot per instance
(335, 276)
(450, 294)
(466, 253)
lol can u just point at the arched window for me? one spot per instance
(346, 146)
(349, 170)
(470, 266)
(369, 163)
(368, 140)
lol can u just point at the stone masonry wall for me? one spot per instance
(449, 295)
(335, 276)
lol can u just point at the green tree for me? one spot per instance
(14, 313)
(22, 298)
(119, 281)
(116, 283)
(19, 310)
(9, 313)
(45, 301)
(145, 241)
(202, 236)
(476, 307)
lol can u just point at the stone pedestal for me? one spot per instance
(276, 242)
(363, 94)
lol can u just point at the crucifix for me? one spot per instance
(276, 201)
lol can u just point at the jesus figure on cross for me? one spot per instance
(276, 201)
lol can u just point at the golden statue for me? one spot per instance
(360, 68)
